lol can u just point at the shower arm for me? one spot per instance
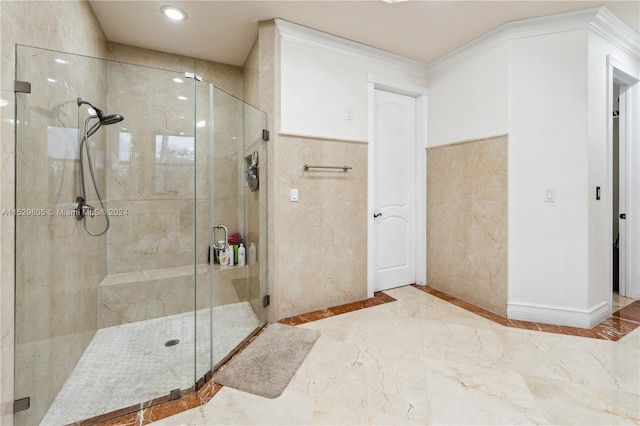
(226, 236)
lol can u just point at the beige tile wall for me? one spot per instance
(320, 258)
(261, 90)
(316, 247)
(467, 221)
(226, 77)
(161, 193)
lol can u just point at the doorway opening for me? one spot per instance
(623, 135)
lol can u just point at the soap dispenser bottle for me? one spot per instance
(241, 254)
(223, 252)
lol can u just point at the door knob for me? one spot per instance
(623, 216)
(377, 215)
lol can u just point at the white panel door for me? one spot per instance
(394, 190)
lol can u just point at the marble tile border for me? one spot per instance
(378, 298)
(155, 410)
(613, 328)
(629, 313)
(160, 408)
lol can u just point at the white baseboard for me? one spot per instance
(559, 315)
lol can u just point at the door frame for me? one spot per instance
(420, 94)
(629, 143)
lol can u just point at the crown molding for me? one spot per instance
(615, 31)
(599, 20)
(321, 40)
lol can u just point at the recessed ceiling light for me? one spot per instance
(174, 13)
(393, 1)
(182, 98)
(178, 80)
(201, 123)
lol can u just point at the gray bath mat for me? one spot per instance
(268, 364)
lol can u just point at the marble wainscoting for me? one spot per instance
(320, 240)
(467, 221)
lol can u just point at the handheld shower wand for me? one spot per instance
(81, 207)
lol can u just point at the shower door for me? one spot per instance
(121, 303)
(237, 299)
(108, 322)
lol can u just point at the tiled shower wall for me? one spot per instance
(161, 191)
(260, 90)
(467, 221)
(150, 249)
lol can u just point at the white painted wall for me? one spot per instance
(548, 136)
(470, 100)
(544, 82)
(320, 87)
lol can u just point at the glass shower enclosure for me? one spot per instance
(125, 177)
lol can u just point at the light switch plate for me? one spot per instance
(294, 194)
(550, 196)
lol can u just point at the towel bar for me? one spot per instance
(343, 168)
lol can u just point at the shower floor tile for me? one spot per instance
(129, 363)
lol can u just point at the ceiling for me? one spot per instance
(224, 31)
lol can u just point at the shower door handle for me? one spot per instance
(226, 236)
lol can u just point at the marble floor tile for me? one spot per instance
(406, 363)
(620, 302)
(469, 394)
(569, 403)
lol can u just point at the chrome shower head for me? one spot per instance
(110, 119)
(105, 120)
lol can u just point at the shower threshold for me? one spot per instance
(130, 363)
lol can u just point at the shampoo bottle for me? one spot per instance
(252, 254)
(241, 255)
(230, 253)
